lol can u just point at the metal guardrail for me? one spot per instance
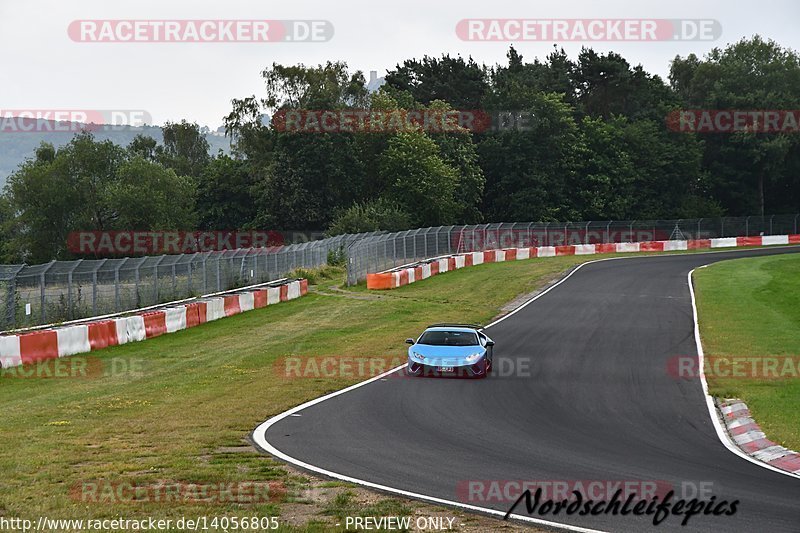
(60, 291)
(381, 252)
(68, 290)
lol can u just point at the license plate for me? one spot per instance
(445, 369)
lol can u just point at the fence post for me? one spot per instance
(136, 284)
(116, 286)
(219, 280)
(155, 279)
(43, 299)
(70, 314)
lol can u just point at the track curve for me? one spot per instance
(598, 404)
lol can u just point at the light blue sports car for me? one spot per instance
(451, 349)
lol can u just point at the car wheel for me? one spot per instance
(413, 372)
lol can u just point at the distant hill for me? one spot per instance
(16, 147)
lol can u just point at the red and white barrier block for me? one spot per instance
(747, 435)
(24, 348)
(397, 277)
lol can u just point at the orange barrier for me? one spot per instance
(748, 241)
(511, 254)
(232, 305)
(155, 323)
(303, 287)
(382, 280)
(260, 298)
(489, 256)
(698, 244)
(794, 239)
(651, 246)
(103, 334)
(565, 250)
(195, 314)
(38, 346)
(434, 268)
(468, 260)
(284, 293)
(606, 248)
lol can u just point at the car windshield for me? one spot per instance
(449, 338)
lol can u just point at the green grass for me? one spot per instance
(201, 389)
(197, 394)
(751, 307)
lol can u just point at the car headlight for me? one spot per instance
(418, 355)
(474, 357)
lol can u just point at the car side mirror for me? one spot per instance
(489, 343)
(410, 341)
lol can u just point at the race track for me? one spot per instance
(599, 404)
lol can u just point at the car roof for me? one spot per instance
(451, 328)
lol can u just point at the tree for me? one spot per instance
(91, 185)
(144, 146)
(750, 171)
(461, 83)
(147, 196)
(61, 191)
(529, 170)
(185, 149)
(225, 195)
(420, 181)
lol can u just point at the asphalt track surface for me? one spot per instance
(598, 404)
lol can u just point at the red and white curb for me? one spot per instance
(747, 435)
(95, 334)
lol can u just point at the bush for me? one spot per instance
(374, 215)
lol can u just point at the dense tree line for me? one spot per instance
(596, 146)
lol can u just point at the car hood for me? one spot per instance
(445, 352)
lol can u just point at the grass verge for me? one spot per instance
(179, 406)
(750, 308)
(177, 409)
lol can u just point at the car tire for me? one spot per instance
(412, 373)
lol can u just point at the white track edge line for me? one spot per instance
(260, 438)
(722, 433)
(259, 434)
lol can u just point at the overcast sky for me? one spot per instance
(44, 69)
